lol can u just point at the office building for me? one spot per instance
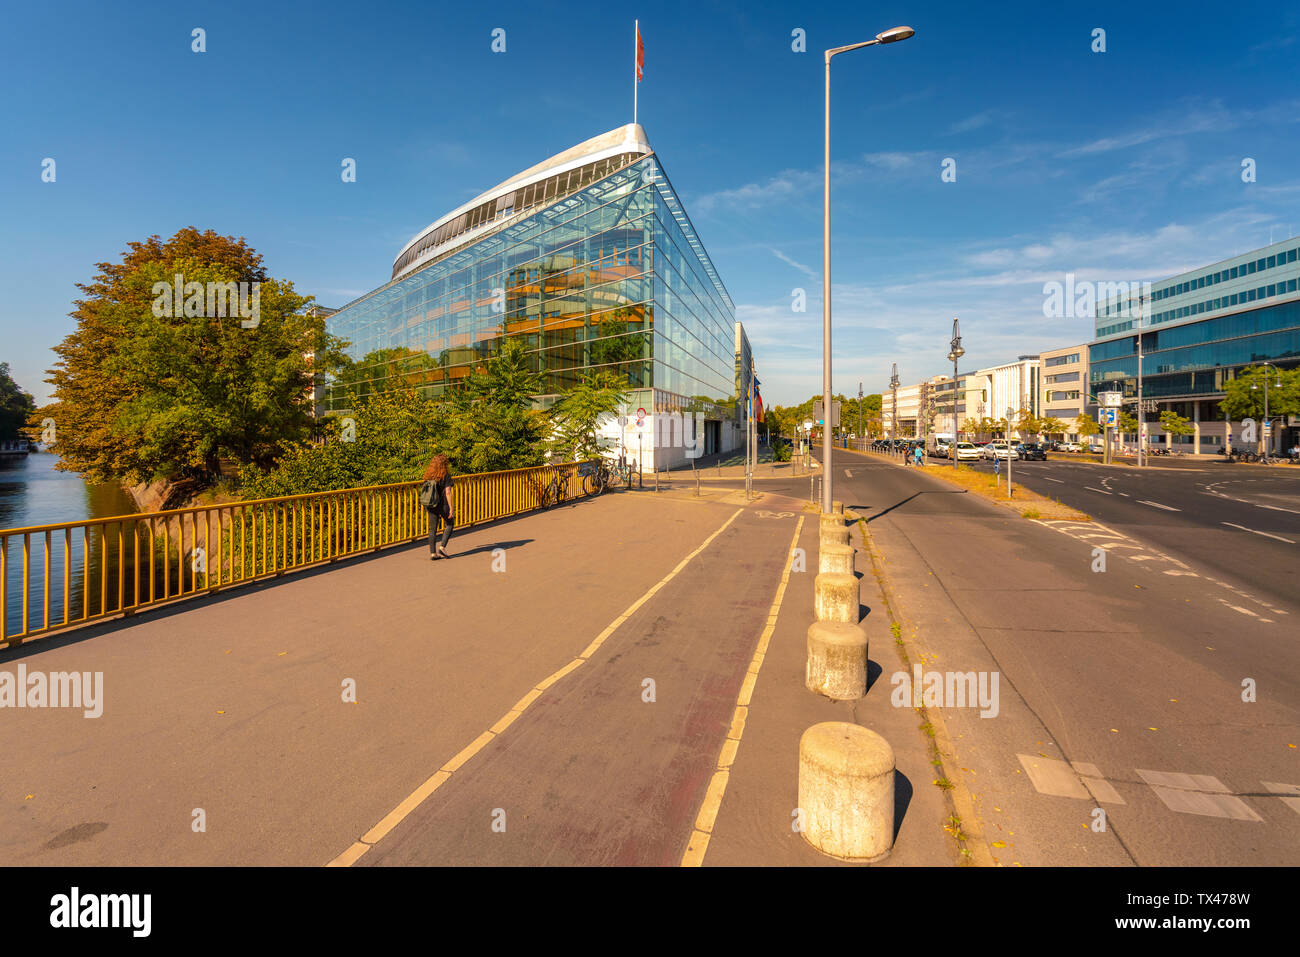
(590, 259)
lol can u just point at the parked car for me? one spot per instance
(998, 450)
(1070, 447)
(1031, 451)
(966, 451)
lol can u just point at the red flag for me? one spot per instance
(640, 54)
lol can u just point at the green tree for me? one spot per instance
(1128, 423)
(493, 423)
(139, 394)
(577, 417)
(16, 405)
(1175, 424)
(1086, 426)
(386, 439)
(1244, 394)
(1051, 425)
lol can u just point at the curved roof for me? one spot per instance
(625, 139)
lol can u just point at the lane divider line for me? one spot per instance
(443, 774)
(698, 845)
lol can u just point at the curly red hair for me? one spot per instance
(437, 470)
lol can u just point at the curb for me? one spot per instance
(959, 797)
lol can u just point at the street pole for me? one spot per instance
(1010, 412)
(859, 410)
(893, 416)
(888, 36)
(1142, 414)
(955, 352)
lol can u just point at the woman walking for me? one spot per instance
(439, 499)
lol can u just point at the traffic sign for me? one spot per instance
(1107, 416)
(835, 412)
(1111, 400)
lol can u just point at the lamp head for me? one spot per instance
(894, 34)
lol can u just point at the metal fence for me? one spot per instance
(73, 573)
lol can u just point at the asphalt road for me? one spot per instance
(1162, 691)
(1238, 522)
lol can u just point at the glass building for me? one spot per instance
(1199, 329)
(591, 260)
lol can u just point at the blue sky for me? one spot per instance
(1119, 165)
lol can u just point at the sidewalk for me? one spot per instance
(233, 704)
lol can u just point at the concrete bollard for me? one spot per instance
(835, 598)
(833, 531)
(837, 660)
(837, 508)
(835, 559)
(846, 791)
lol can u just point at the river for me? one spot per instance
(33, 492)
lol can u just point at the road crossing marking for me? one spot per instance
(1197, 794)
(1292, 802)
(1101, 490)
(1097, 786)
(698, 845)
(1167, 508)
(444, 773)
(1059, 779)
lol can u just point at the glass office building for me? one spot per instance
(1200, 329)
(591, 260)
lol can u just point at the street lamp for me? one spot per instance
(1254, 386)
(892, 35)
(893, 415)
(954, 353)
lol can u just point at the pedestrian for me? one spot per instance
(438, 497)
(919, 455)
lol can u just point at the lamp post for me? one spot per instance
(888, 36)
(954, 353)
(1268, 444)
(1141, 409)
(893, 415)
(859, 410)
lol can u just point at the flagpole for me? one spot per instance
(636, 34)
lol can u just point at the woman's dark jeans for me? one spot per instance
(433, 530)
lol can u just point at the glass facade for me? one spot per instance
(1197, 358)
(610, 276)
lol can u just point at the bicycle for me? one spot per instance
(555, 491)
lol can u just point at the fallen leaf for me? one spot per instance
(998, 844)
(1114, 730)
(30, 796)
(1153, 729)
(220, 712)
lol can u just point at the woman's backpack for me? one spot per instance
(431, 495)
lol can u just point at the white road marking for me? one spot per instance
(1050, 776)
(1167, 508)
(1097, 786)
(1125, 494)
(1048, 478)
(1197, 794)
(1254, 532)
(848, 474)
(1244, 611)
(1293, 789)
(1091, 489)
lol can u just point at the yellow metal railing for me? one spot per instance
(98, 568)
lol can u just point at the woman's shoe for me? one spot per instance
(442, 552)
(434, 556)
